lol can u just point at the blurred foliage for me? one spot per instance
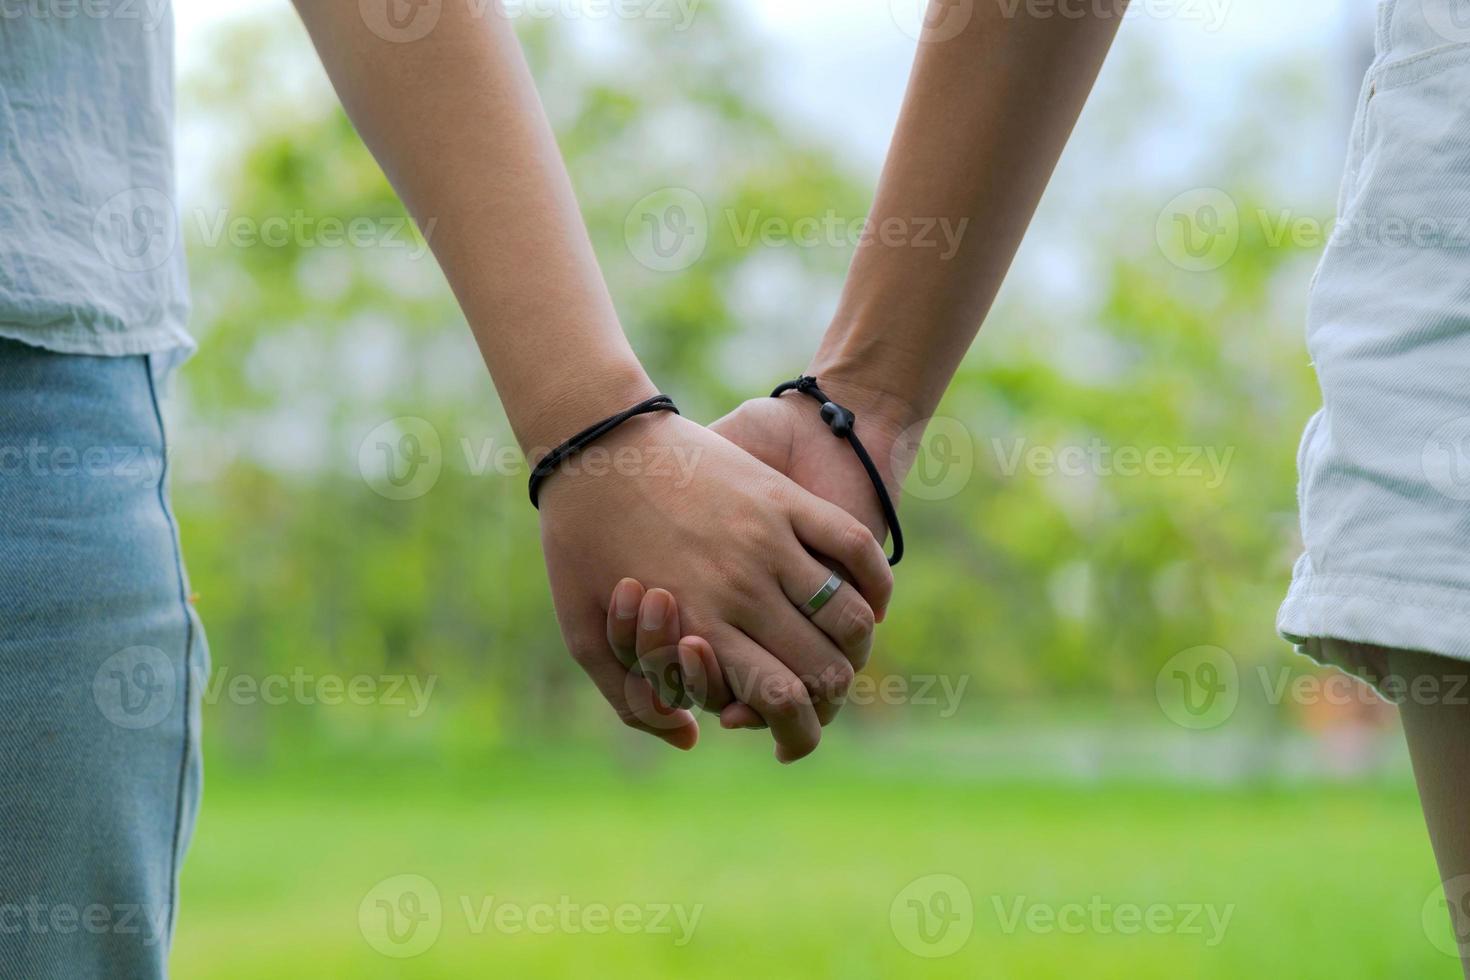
(1035, 585)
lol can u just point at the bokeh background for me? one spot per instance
(1080, 746)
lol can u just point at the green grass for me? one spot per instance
(796, 870)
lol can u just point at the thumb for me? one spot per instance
(629, 694)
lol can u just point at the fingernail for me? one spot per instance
(625, 599)
(655, 610)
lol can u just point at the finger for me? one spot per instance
(844, 617)
(622, 621)
(800, 643)
(704, 680)
(764, 683)
(806, 651)
(832, 532)
(741, 715)
(658, 647)
(629, 694)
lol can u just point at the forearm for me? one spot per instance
(455, 122)
(984, 121)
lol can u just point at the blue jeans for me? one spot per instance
(101, 667)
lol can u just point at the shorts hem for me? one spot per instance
(1377, 612)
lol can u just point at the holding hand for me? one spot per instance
(737, 542)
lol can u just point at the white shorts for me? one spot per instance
(1385, 465)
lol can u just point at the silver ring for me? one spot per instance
(824, 594)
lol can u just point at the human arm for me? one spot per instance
(455, 122)
(984, 120)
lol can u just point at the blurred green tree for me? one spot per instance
(1034, 577)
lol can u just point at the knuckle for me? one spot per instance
(857, 541)
(785, 699)
(855, 625)
(834, 682)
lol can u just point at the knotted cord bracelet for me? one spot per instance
(589, 435)
(843, 424)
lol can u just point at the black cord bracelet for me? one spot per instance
(589, 435)
(843, 423)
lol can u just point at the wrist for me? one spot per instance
(882, 413)
(569, 402)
